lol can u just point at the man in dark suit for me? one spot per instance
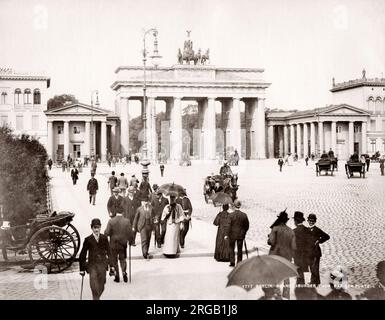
(158, 205)
(115, 202)
(144, 224)
(239, 225)
(185, 202)
(302, 240)
(92, 187)
(130, 204)
(317, 236)
(119, 230)
(98, 249)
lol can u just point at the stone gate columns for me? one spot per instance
(312, 138)
(252, 127)
(234, 125)
(66, 139)
(103, 140)
(176, 142)
(152, 138)
(292, 141)
(299, 135)
(209, 129)
(333, 135)
(124, 125)
(261, 124)
(285, 140)
(87, 135)
(321, 136)
(270, 137)
(351, 138)
(50, 139)
(305, 140)
(363, 138)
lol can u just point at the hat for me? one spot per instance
(133, 176)
(298, 216)
(155, 186)
(237, 204)
(283, 216)
(95, 222)
(312, 216)
(116, 189)
(131, 189)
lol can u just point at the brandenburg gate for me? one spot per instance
(205, 84)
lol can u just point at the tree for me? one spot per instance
(60, 100)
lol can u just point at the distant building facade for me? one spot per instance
(23, 99)
(355, 122)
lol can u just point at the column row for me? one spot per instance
(310, 138)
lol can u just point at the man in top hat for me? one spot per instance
(115, 202)
(225, 170)
(302, 240)
(158, 205)
(185, 202)
(99, 257)
(282, 243)
(119, 230)
(236, 233)
(144, 224)
(317, 236)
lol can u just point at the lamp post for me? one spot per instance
(92, 121)
(145, 161)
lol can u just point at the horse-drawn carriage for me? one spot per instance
(220, 183)
(355, 166)
(327, 164)
(50, 240)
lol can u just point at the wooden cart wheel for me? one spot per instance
(53, 247)
(75, 234)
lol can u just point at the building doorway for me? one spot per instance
(76, 151)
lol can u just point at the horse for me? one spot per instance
(231, 186)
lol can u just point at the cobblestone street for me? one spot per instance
(351, 211)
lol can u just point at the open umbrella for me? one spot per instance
(168, 188)
(222, 198)
(261, 270)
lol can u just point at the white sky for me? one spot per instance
(301, 44)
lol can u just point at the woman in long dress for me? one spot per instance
(173, 216)
(222, 248)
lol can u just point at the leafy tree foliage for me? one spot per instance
(23, 178)
(60, 100)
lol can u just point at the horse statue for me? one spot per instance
(197, 57)
(180, 57)
(205, 57)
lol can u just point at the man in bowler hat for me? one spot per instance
(98, 249)
(144, 224)
(115, 202)
(238, 226)
(302, 240)
(317, 236)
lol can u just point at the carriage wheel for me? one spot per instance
(75, 234)
(53, 247)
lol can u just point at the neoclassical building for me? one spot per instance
(23, 99)
(206, 85)
(355, 122)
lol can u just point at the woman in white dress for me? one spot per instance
(173, 216)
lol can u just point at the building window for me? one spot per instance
(372, 145)
(3, 120)
(339, 129)
(19, 122)
(76, 130)
(35, 123)
(59, 129)
(17, 96)
(27, 96)
(36, 96)
(4, 98)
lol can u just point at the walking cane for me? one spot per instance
(81, 289)
(129, 263)
(247, 254)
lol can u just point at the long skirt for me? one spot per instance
(171, 240)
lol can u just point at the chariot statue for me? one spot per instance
(189, 54)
